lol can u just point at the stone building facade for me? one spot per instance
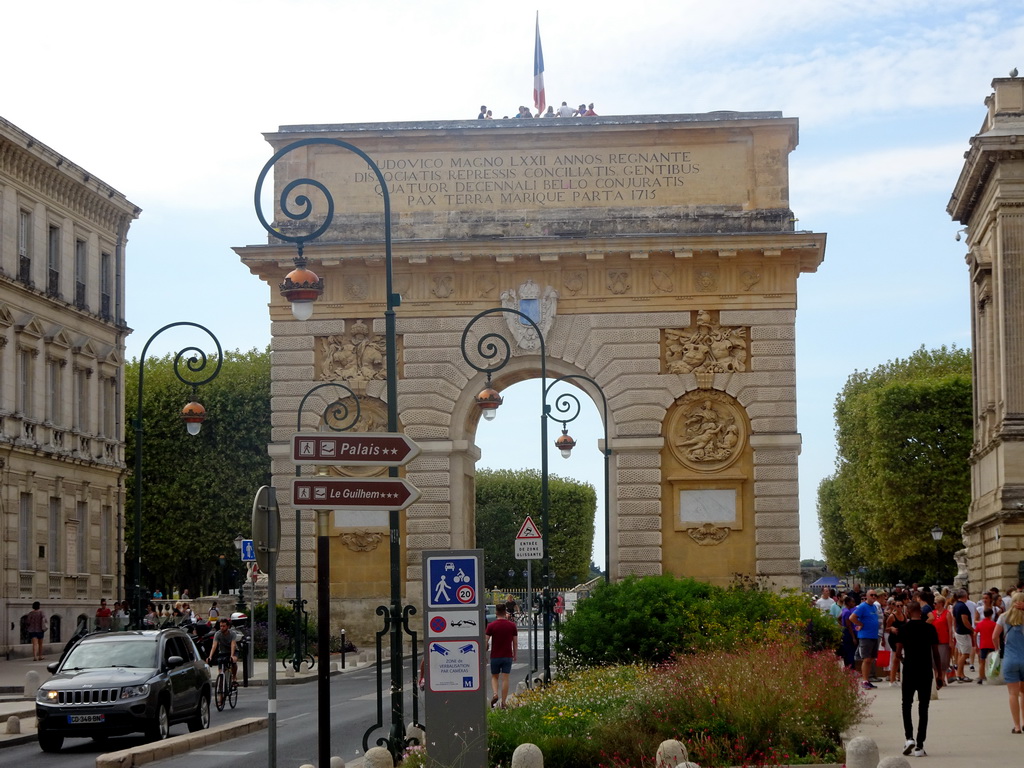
(62, 333)
(659, 257)
(988, 201)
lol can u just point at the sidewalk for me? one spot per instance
(969, 725)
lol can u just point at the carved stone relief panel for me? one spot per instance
(357, 355)
(357, 288)
(707, 432)
(618, 281)
(486, 284)
(705, 280)
(443, 285)
(575, 282)
(362, 541)
(662, 280)
(705, 346)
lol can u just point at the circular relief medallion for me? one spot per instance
(707, 431)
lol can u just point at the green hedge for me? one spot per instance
(655, 618)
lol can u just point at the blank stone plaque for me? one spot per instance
(717, 506)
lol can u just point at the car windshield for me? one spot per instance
(126, 652)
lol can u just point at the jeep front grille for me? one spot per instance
(88, 696)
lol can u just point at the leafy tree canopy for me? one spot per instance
(197, 491)
(503, 500)
(904, 432)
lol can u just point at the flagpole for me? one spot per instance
(539, 100)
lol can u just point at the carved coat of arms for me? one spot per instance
(539, 306)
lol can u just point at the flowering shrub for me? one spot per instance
(763, 705)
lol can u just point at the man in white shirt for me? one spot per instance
(565, 110)
(825, 602)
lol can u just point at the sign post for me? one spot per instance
(455, 660)
(529, 546)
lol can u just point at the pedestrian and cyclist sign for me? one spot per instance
(453, 582)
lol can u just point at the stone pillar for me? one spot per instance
(637, 515)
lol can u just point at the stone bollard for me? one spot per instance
(527, 756)
(898, 761)
(415, 732)
(520, 687)
(362, 658)
(304, 666)
(307, 765)
(671, 754)
(289, 671)
(378, 757)
(32, 684)
(333, 667)
(13, 725)
(861, 752)
(337, 762)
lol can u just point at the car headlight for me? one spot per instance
(135, 691)
(46, 697)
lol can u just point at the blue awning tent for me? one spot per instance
(826, 581)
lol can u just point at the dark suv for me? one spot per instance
(113, 683)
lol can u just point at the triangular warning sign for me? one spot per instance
(528, 531)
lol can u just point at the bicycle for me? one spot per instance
(225, 691)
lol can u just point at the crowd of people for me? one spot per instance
(923, 635)
(583, 110)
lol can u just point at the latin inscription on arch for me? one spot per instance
(577, 177)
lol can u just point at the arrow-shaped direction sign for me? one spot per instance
(349, 449)
(354, 493)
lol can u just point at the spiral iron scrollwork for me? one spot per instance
(300, 207)
(493, 348)
(338, 416)
(566, 407)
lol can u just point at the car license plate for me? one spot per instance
(81, 719)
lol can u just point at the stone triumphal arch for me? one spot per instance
(658, 253)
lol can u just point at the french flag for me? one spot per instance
(538, 72)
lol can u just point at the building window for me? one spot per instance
(106, 527)
(54, 535)
(83, 537)
(24, 395)
(25, 538)
(81, 264)
(53, 261)
(53, 391)
(106, 285)
(25, 247)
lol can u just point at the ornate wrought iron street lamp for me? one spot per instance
(566, 409)
(495, 352)
(195, 362)
(302, 287)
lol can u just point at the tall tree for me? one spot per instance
(503, 500)
(904, 432)
(197, 490)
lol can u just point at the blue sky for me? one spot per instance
(167, 104)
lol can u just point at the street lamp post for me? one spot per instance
(195, 361)
(302, 287)
(937, 537)
(496, 352)
(566, 409)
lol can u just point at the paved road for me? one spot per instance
(353, 710)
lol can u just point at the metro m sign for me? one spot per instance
(349, 449)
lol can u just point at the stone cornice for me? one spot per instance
(54, 178)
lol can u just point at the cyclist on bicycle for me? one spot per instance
(225, 647)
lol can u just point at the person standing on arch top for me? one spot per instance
(565, 110)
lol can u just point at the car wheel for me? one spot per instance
(50, 742)
(201, 721)
(160, 728)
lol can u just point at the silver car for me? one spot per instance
(114, 683)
